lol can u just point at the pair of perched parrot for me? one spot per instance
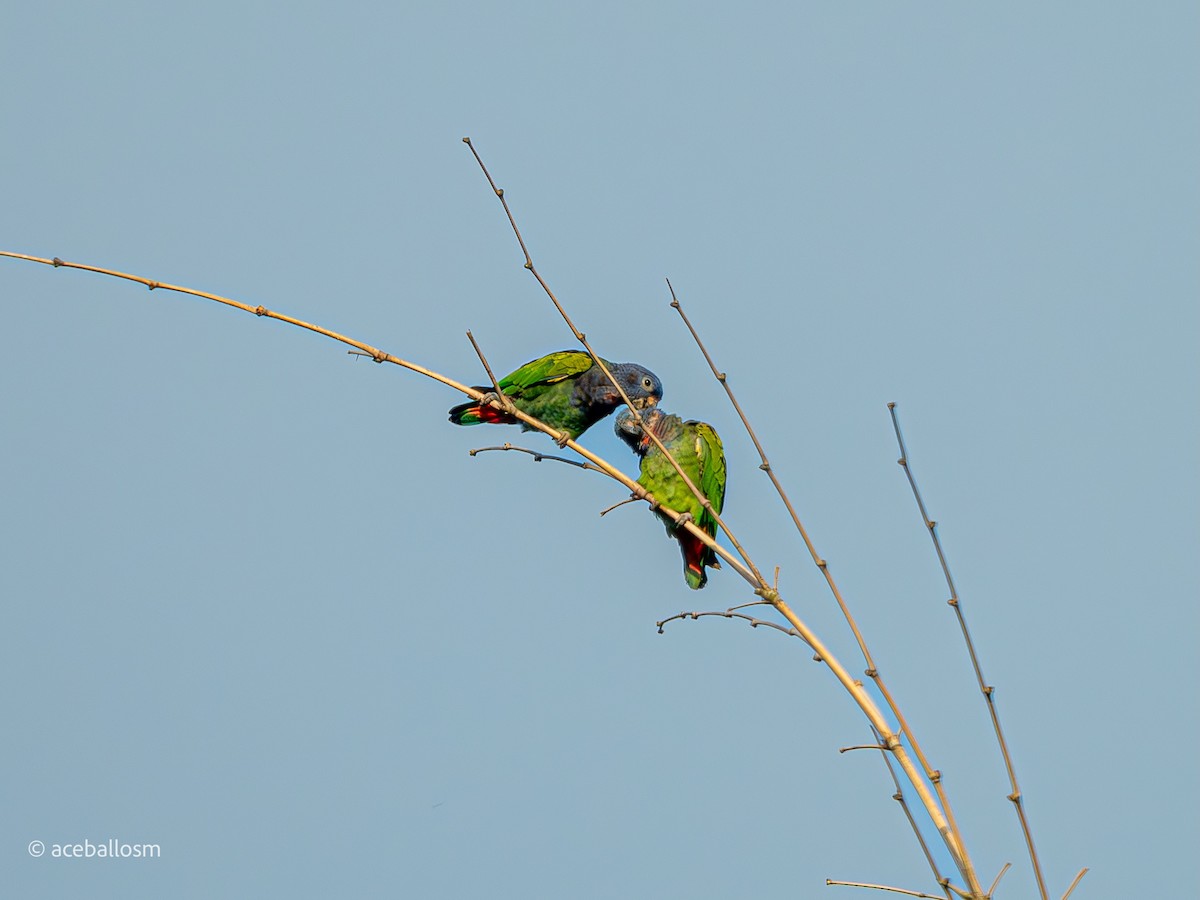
(569, 392)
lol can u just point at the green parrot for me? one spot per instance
(567, 391)
(697, 449)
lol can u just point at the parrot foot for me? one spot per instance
(491, 397)
(684, 519)
(562, 439)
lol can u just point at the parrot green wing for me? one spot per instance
(544, 372)
(711, 455)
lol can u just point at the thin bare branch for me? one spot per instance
(538, 457)
(1075, 883)
(999, 875)
(872, 670)
(605, 512)
(751, 603)
(505, 403)
(898, 796)
(879, 747)
(261, 311)
(882, 887)
(765, 465)
(986, 689)
(730, 614)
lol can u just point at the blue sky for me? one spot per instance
(263, 609)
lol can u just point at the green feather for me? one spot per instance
(699, 452)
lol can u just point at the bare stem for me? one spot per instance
(504, 402)
(899, 798)
(1075, 883)
(872, 670)
(1003, 871)
(730, 614)
(986, 689)
(882, 887)
(538, 457)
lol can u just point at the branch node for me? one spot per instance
(1015, 797)
(260, 311)
(902, 461)
(872, 673)
(936, 776)
(151, 285)
(56, 262)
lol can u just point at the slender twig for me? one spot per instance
(898, 796)
(751, 603)
(538, 457)
(618, 505)
(1075, 883)
(730, 614)
(582, 338)
(879, 747)
(765, 465)
(986, 689)
(882, 887)
(934, 775)
(261, 311)
(999, 875)
(505, 403)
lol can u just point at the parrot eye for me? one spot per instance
(647, 383)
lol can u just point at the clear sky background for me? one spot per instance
(261, 607)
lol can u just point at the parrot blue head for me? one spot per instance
(640, 384)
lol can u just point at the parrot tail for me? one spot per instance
(696, 555)
(474, 414)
